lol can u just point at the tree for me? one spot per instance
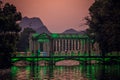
(23, 43)
(105, 25)
(9, 32)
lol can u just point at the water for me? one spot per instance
(81, 72)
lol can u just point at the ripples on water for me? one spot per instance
(81, 72)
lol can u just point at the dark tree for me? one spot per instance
(23, 44)
(9, 32)
(104, 22)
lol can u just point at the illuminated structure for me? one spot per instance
(55, 47)
(60, 43)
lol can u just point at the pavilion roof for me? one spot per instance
(58, 35)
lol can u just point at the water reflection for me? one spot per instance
(81, 72)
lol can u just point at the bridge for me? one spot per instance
(54, 59)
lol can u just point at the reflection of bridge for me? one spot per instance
(56, 47)
(54, 59)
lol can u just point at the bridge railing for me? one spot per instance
(24, 54)
(27, 54)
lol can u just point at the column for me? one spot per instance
(62, 44)
(75, 44)
(65, 45)
(72, 44)
(85, 45)
(82, 45)
(56, 45)
(53, 46)
(78, 44)
(68, 44)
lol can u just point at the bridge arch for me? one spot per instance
(67, 63)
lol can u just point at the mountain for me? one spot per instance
(70, 31)
(73, 31)
(34, 23)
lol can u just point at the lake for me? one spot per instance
(79, 72)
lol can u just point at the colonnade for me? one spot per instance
(61, 45)
(69, 45)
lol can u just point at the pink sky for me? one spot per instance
(57, 15)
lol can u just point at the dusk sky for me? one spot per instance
(57, 15)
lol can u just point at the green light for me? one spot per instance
(67, 36)
(35, 35)
(43, 40)
(29, 59)
(14, 59)
(44, 36)
(73, 36)
(54, 35)
(14, 71)
(61, 35)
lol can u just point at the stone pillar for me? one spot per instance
(78, 44)
(68, 45)
(53, 45)
(75, 44)
(56, 45)
(49, 48)
(81, 45)
(87, 46)
(71, 44)
(84, 45)
(59, 45)
(62, 44)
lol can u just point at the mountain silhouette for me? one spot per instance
(70, 31)
(73, 31)
(35, 23)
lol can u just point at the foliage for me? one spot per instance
(9, 30)
(105, 25)
(23, 43)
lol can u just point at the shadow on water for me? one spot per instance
(51, 72)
